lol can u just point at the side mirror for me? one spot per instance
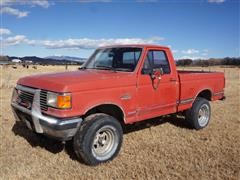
(157, 73)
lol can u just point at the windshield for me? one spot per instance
(117, 59)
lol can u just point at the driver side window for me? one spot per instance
(156, 59)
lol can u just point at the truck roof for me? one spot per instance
(135, 45)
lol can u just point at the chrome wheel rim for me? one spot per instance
(105, 143)
(203, 115)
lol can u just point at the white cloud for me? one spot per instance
(190, 51)
(86, 43)
(216, 1)
(83, 43)
(41, 3)
(30, 42)
(12, 11)
(14, 40)
(4, 31)
(174, 51)
(6, 6)
(192, 57)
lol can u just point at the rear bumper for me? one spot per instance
(61, 129)
(219, 96)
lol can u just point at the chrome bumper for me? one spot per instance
(62, 129)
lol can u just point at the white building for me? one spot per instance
(28, 62)
(16, 61)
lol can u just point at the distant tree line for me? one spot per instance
(209, 62)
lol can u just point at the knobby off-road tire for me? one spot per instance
(199, 115)
(98, 139)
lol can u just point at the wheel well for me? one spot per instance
(110, 109)
(205, 94)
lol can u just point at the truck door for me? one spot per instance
(156, 96)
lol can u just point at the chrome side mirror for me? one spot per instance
(157, 73)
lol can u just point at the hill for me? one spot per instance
(51, 60)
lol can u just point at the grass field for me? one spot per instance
(162, 148)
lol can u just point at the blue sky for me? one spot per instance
(194, 29)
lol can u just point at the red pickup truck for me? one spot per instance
(118, 85)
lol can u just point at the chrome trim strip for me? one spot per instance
(125, 97)
(132, 113)
(20, 108)
(24, 88)
(185, 101)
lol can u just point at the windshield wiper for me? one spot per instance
(105, 67)
(123, 69)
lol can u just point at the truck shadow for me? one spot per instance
(176, 120)
(34, 139)
(54, 146)
(39, 140)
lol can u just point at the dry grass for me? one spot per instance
(158, 149)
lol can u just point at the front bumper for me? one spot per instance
(61, 129)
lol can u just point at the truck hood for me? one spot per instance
(78, 80)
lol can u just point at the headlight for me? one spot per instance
(61, 101)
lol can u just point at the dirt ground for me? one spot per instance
(161, 148)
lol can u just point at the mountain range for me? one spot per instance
(69, 58)
(54, 60)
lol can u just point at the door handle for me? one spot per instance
(172, 80)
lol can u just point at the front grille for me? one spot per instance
(43, 100)
(25, 99)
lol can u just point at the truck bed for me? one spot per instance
(193, 82)
(187, 75)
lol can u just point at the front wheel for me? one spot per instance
(99, 139)
(199, 115)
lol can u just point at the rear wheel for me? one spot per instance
(99, 139)
(199, 115)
